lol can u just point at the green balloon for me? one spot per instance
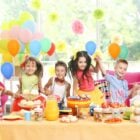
(124, 52)
(46, 45)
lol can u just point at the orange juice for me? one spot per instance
(51, 110)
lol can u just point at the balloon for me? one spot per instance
(37, 36)
(114, 50)
(25, 35)
(98, 14)
(13, 47)
(46, 45)
(13, 23)
(124, 52)
(7, 70)
(3, 46)
(14, 33)
(52, 49)
(35, 47)
(7, 57)
(77, 27)
(5, 26)
(24, 16)
(117, 38)
(30, 25)
(90, 47)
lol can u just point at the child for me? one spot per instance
(118, 85)
(4, 95)
(81, 70)
(30, 81)
(57, 85)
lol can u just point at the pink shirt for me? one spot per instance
(86, 83)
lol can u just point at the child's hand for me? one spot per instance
(97, 58)
(48, 92)
(17, 95)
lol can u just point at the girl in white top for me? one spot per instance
(57, 85)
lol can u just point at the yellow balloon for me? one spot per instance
(7, 57)
(24, 16)
(13, 23)
(36, 4)
(53, 17)
(98, 53)
(5, 26)
(3, 46)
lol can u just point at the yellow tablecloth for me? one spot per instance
(81, 130)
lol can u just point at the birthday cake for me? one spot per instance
(78, 101)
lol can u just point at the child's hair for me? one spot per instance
(61, 63)
(122, 61)
(39, 70)
(73, 64)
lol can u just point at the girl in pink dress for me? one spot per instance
(83, 84)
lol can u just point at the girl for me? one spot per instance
(57, 85)
(83, 83)
(30, 81)
(4, 95)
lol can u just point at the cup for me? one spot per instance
(27, 116)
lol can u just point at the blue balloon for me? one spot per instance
(90, 47)
(7, 70)
(29, 25)
(35, 47)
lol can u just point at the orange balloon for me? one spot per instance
(114, 50)
(13, 47)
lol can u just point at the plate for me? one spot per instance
(12, 117)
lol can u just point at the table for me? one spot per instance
(81, 130)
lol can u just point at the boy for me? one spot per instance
(118, 85)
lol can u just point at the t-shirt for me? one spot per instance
(29, 82)
(86, 82)
(118, 88)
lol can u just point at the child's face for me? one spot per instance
(82, 63)
(120, 69)
(60, 72)
(30, 67)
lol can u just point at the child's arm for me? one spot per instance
(41, 90)
(46, 87)
(75, 85)
(68, 90)
(101, 67)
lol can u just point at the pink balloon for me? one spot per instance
(37, 36)
(25, 35)
(77, 27)
(5, 35)
(15, 32)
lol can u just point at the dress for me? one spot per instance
(86, 86)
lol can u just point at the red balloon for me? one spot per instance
(52, 49)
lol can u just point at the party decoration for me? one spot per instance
(98, 53)
(3, 46)
(117, 38)
(52, 49)
(30, 25)
(25, 35)
(35, 47)
(7, 57)
(114, 50)
(46, 44)
(124, 52)
(5, 25)
(13, 47)
(53, 17)
(61, 46)
(51, 70)
(25, 16)
(77, 27)
(98, 14)
(14, 32)
(22, 47)
(36, 4)
(90, 47)
(37, 36)
(7, 70)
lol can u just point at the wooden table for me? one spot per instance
(55, 130)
